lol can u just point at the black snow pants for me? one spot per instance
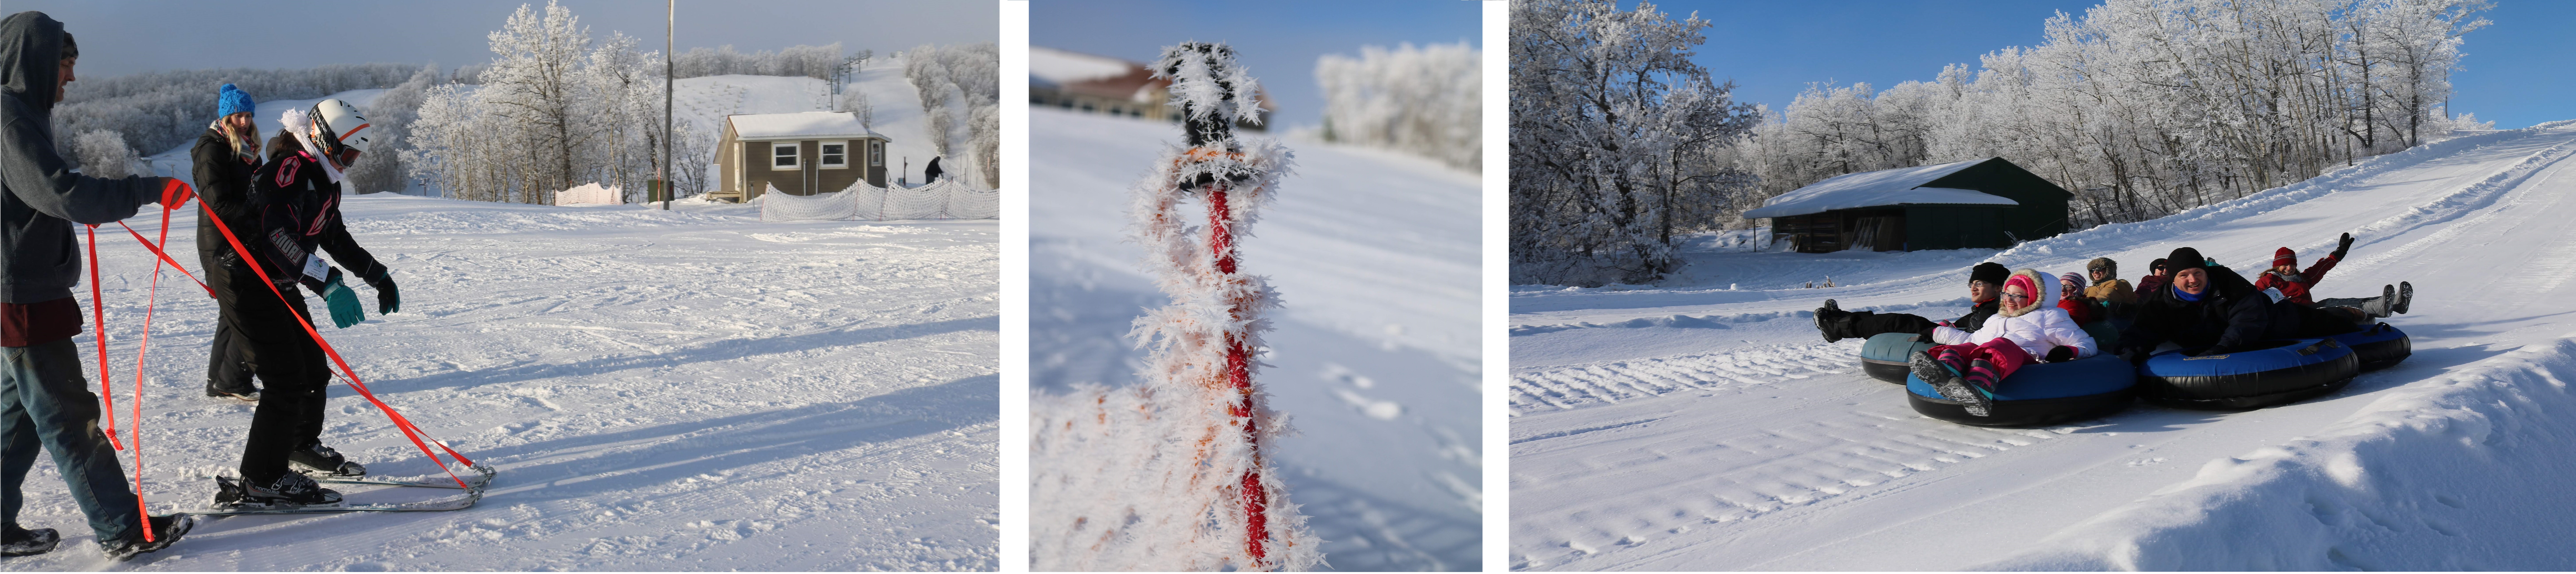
(1866, 324)
(271, 345)
(228, 367)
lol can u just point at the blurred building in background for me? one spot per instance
(1105, 85)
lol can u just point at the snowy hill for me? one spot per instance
(1375, 357)
(661, 390)
(1692, 425)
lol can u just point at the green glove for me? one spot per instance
(344, 303)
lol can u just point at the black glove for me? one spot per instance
(2343, 245)
(388, 299)
(1927, 333)
(2061, 354)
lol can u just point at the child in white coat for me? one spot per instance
(2027, 327)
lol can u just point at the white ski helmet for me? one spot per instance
(342, 128)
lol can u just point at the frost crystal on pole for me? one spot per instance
(1171, 474)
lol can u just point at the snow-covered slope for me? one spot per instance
(661, 390)
(1374, 256)
(1693, 426)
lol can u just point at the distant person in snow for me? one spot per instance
(931, 173)
(2157, 276)
(224, 158)
(1983, 282)
(45, 404)
(2209, 309)
(2297, 286)
(291, 214)
(2024, 329)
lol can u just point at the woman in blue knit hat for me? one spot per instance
(225, 156)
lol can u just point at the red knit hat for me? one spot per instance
(2284, 256)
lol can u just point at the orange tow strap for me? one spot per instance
(400, 423)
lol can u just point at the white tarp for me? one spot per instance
(943, 199)
(1898, 186)
(590, 194)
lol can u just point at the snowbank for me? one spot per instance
(2463, 472)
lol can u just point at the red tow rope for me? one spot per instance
(98, 314)
(400, 423)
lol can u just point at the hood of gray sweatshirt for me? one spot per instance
(40, 196)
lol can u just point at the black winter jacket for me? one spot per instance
(2231, 315)
(1976, 317)
(222, 179)
(290, 208)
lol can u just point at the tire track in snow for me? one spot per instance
(1576, 386)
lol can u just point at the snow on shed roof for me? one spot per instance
(1062, 67)
(1898, 186)
(801, 125)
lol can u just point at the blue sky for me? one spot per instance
(2519, 71)
(127, 36)
(1279, 41)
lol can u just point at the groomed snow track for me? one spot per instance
(1690, 426)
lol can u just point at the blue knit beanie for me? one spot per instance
(233, 101)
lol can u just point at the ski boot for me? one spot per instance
(166, 530)
(290, 490)
(15, 541)
(317, 459)
(1975, 390)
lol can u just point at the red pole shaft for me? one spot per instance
(1238, 375)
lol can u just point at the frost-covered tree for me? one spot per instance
(1419, 100)
(968, 74)
(391, 115)
(2145, 108)
(552, 111)
(1614, 131)
(103, 153)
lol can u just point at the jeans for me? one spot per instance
(46, 403)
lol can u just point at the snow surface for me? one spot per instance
(1062, 67)
(1374, 358)
(690, 389)
(1875, 188)
(1690, 425)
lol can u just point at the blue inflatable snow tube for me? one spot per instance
(2377, 346)
(1888, 356)
(2276, 373)
(2038, 394)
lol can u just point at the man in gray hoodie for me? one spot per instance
(45, 404)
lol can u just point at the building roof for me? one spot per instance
(801, 125)
(1900, 186)
(1102, 76)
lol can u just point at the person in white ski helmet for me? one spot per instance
(291, 211)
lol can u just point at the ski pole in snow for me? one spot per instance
(1203, 342)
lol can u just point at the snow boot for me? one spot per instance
(289, 490)
(246, 393)
(1834, 322)
(1933, 370)
(15, 541)
(317, 459)
(2405, 297)
(2379, 308)
(1976, 390)
(166, 530)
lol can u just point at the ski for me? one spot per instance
(460, 503)
(470, 484)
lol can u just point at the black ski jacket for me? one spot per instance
(2230, 316)
(290, 208)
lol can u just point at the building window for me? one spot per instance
(834, 155)
(782, 155)
(876, 154)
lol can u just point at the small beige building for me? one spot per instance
(800, 154)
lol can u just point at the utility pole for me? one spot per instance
(673, 21)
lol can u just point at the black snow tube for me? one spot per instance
(2039, 394)
(1888, 356)
(2377, 346)
(2278, 372)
